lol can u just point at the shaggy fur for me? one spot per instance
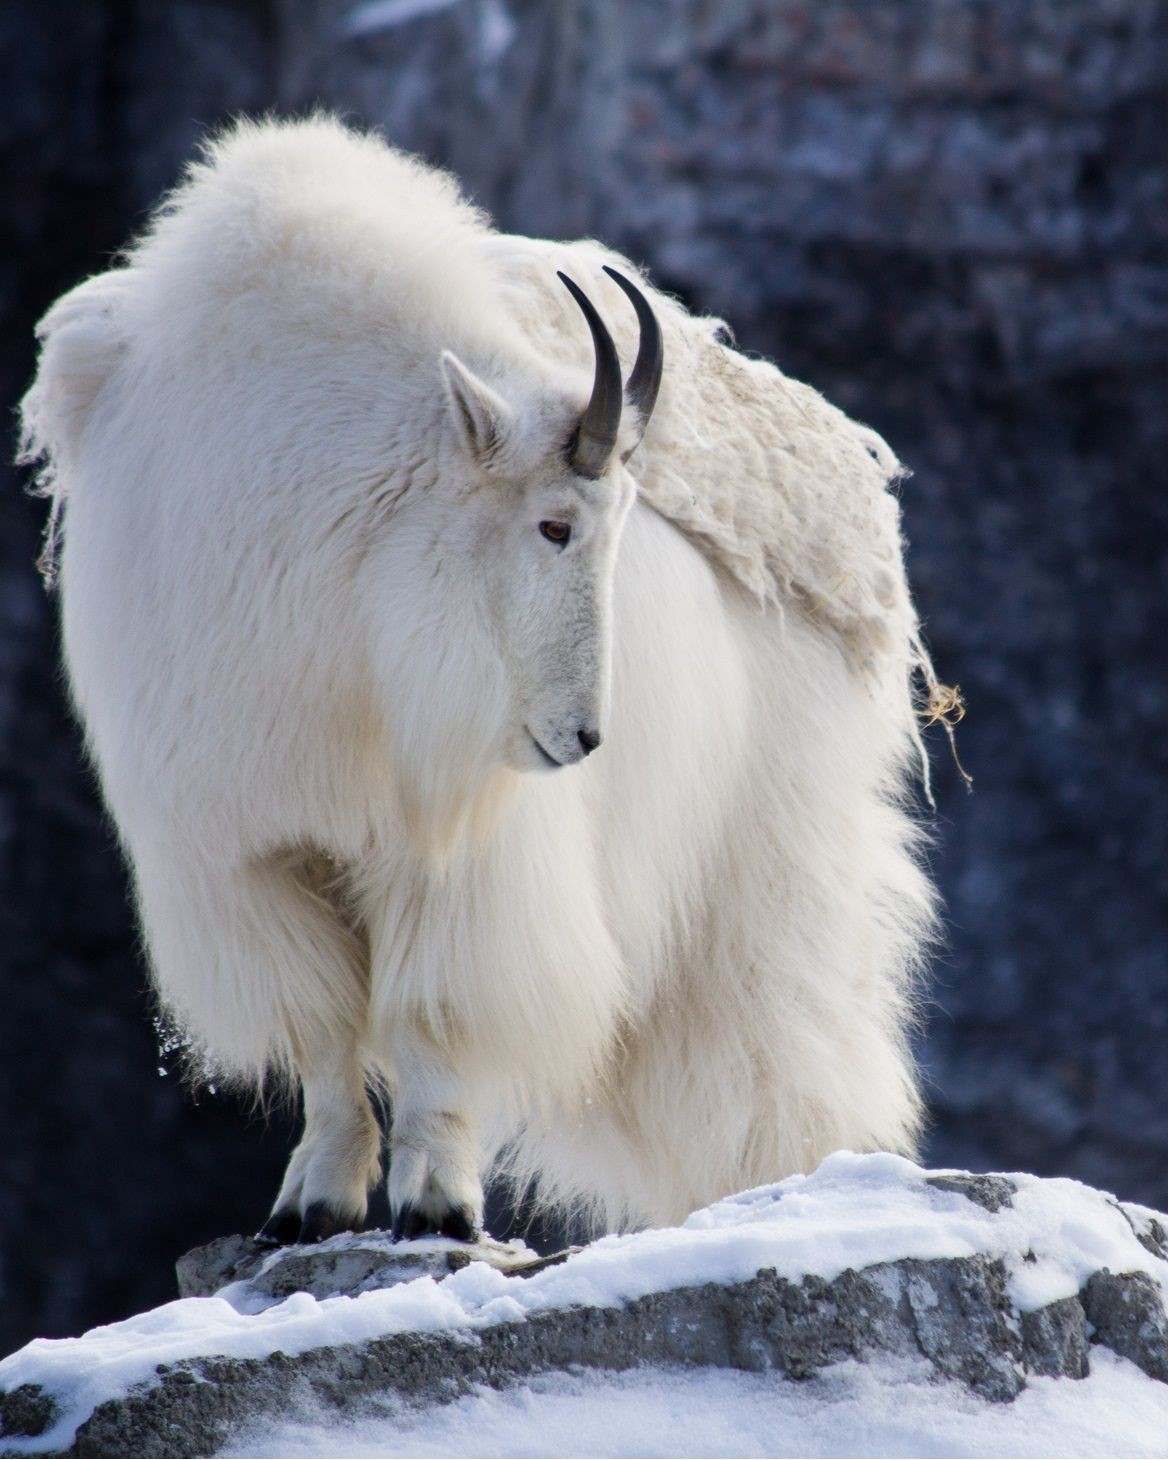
(311, 639)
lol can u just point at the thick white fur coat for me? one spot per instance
(678, 969)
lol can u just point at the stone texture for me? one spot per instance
(25, 1411)
(954, 1313)
(352, 1263)
(989, 1191)
(1126, 1312)
(1148, 1227)
(1054, 1340)
(204, 1270)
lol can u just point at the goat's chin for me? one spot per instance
(530, 755)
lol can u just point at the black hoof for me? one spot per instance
(409, 1222)
(287, 1227)
(320, 1221)
(459, 1224)
(455, 1222)
(281, 1229)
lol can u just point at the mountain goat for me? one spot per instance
(360, 558)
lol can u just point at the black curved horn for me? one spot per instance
(596, 433)
(645, 381)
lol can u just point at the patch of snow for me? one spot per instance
(496, 32)
(378, 15)
(849, 1409)
(495, 26)
(853, 1212)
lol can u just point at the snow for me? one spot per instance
(853, 1212)
(378, 15)
(849, 1409)
(495, 26)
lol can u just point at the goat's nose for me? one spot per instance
(589, 740)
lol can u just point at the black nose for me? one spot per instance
(589, 740)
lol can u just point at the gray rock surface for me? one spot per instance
(348, 1264)
(956, 1314)
(991, 1192)
(1126, 1311)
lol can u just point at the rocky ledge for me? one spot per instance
(990, 1279)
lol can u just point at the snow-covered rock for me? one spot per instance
(984, 1281)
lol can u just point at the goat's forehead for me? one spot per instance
(594, 495)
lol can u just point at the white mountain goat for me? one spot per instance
(361, 557)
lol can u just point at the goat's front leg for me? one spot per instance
(434, 1164)
(266, 965)
(325, 1188)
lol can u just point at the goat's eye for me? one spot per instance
(557, 532)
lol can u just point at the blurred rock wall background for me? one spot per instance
(951, 216)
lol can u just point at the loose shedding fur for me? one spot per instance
(299, 442)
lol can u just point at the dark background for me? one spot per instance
(951, 216)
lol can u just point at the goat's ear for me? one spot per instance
(481, 416)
